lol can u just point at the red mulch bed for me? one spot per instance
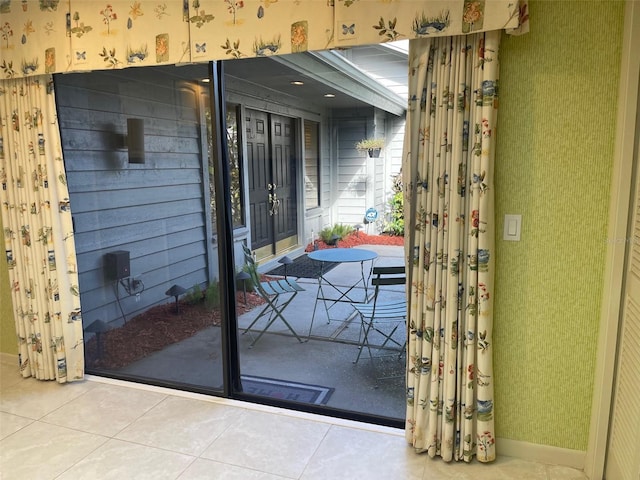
(160, 326)
(359, 238)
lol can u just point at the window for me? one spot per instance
(235, 162)
(311, 165)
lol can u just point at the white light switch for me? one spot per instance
(512, 225)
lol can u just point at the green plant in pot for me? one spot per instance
(372, 146)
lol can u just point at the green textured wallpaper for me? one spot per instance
(7, 328)
(555, 145)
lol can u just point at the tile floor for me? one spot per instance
(106, 429)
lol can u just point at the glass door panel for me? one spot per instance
(299, 335)
(148, 268)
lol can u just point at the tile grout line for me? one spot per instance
(251, 406)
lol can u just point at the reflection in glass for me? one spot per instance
(148, 272)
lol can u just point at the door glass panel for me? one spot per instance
(300, 336)
(148, 270)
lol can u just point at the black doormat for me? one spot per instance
(284, 390)
(303, 267)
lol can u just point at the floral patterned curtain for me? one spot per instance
(448, 177)
(38, 232)
(51, 36)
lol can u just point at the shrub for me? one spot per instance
(251, 282)
(340, 230)
(194, 295)
(396, 225)
(396, 203)
(212, 296)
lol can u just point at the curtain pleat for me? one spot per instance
(38, 233)
(449, 241)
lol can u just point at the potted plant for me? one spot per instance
(371, 145)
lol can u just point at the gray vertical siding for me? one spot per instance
(364, 182)
(389, 67)
(154, 210)
(353, 182)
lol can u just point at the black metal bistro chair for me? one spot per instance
(277, 295)
(381, 318)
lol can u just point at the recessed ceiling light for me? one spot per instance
(329, 95)
(297, 82)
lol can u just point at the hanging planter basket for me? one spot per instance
(372, 146)
(374, 152)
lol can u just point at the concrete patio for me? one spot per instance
(326, 357)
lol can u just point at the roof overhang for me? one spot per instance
(340, 74)
(322, 73)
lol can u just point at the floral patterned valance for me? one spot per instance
(360, 22)
(50, 36)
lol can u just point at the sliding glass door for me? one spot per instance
(176, 287)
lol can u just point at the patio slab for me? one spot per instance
(326, 358)
(341, 325)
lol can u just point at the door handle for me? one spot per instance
(273, 199)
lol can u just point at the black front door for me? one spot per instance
(271, 159)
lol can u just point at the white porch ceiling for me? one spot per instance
(322, 73)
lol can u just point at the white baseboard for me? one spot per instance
(9, 358)
(541, 453)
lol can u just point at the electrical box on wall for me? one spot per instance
(116, 265)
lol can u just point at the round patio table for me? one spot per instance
(340, 255)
